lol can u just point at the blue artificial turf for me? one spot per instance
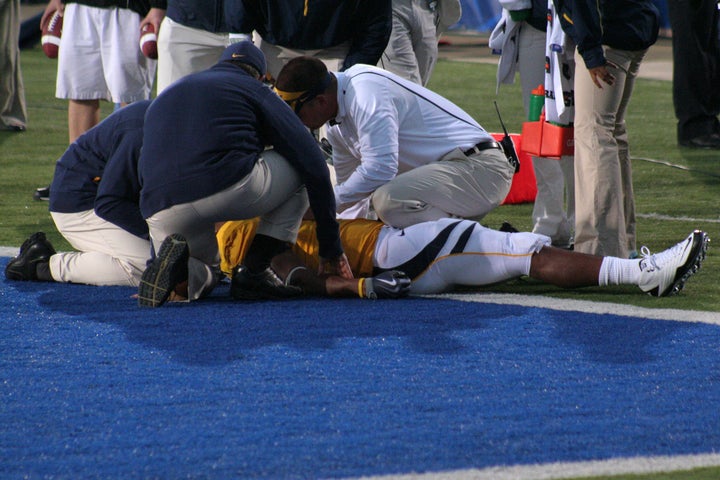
(93, 386)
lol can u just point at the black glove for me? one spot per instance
(390, 284)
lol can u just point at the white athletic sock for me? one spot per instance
(618, 271)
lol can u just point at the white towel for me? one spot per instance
(503, 41)
(559, 49)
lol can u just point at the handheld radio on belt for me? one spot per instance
(508, 144)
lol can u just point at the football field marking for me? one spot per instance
(560, 470)
(585, 306)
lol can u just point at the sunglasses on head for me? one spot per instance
(296, 100)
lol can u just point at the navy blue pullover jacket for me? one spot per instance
(620, 24)
(206, 15)
(317, 24)
(205, 132)
(99, 171)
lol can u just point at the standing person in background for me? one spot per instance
(13, 112)
(99, 56)
(696, 72)
(192, 37)
(339, 32)
(416, 28)
(612, 39)
(522, 37)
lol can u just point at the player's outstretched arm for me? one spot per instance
(391, 284)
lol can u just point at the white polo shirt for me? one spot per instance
(386, 126)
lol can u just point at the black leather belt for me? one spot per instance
(483, 146)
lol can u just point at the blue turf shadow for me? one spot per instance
(217, 329)
(320, 388)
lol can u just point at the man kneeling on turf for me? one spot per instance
(442, 254)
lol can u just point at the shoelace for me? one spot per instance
(655, 261)
(648, 261)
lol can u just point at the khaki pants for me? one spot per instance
(604, 202)
(272, 190)
(456, 186)
(412, 49)
(13, 112)
(184, 50)
(107, 254)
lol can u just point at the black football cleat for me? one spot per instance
(35, 250)
(265, 285)
(42, 193)
(167, 270)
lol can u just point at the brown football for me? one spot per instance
(51, 35)
(148, 41)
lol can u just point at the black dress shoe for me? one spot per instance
(708, 141)
(36, 249)
(42, 193)
(265, 285)
(507, 227)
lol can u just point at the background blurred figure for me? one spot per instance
(522, 37)
(339, 32)
(100, 58)
(192, 37)
(662, 7)
(611, 44)
(696, 72)
(13, 112)
(416, 28)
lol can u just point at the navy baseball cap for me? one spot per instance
(245, 52)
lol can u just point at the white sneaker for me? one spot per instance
(665, 273)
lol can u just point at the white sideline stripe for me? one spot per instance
(555, 471)
(9, 251)
(550, 303)
(568, 304)
(658, 216)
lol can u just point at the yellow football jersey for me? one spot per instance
(358, 239)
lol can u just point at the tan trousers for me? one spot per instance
(184, 50)
(412, 49)
(456, 186)
(604, 201)
(107, 254)
(13, 112)
(272, 190)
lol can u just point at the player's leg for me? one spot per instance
(439, 255)
(661, 274)
(566, 268)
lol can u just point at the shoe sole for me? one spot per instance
(164, 273)
(698, 250)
